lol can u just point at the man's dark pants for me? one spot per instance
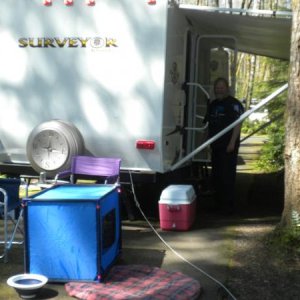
(223, 177)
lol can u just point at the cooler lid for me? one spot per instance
(177, 194)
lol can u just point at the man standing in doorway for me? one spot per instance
(223, 111)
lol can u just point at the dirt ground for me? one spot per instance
(257, 270)
(260, 269)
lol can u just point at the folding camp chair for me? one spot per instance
(102, 169)
(11, 212)
(105, 169)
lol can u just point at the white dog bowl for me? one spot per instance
(27, 285)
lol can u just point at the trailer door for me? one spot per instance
(209, 57)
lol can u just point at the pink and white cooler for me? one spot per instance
(177, 207)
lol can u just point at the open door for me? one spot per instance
(209, 57)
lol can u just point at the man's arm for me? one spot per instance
(235, 134)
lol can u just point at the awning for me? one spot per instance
(266, 36)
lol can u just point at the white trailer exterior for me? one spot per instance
(111, 73)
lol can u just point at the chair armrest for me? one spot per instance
(112, 179)
(62, 174)
(26, 181)
(4, 202)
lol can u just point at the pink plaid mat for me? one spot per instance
(137, 282)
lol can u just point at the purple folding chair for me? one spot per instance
(106, 169)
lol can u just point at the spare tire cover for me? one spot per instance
(51, 145)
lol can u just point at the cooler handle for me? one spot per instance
(174, 208)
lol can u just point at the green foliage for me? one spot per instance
(287, 239)
(284, 241)
(295, 222)
(253, 126)
(271, 158)
(270, 75)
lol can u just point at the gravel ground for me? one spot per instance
(260, 271)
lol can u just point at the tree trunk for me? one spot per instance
(292, 138)
(243, 4)
(251, 79)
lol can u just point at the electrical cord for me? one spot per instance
(170, 248)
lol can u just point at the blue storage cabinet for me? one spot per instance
(72, 232)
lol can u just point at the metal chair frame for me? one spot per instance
(10, 203)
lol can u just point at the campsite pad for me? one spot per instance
(137, 282)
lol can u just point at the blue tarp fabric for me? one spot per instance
(64, 231)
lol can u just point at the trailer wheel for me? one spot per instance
(51, 145)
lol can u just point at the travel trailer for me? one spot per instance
(117, 78)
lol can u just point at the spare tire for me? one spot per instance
(51, 145)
